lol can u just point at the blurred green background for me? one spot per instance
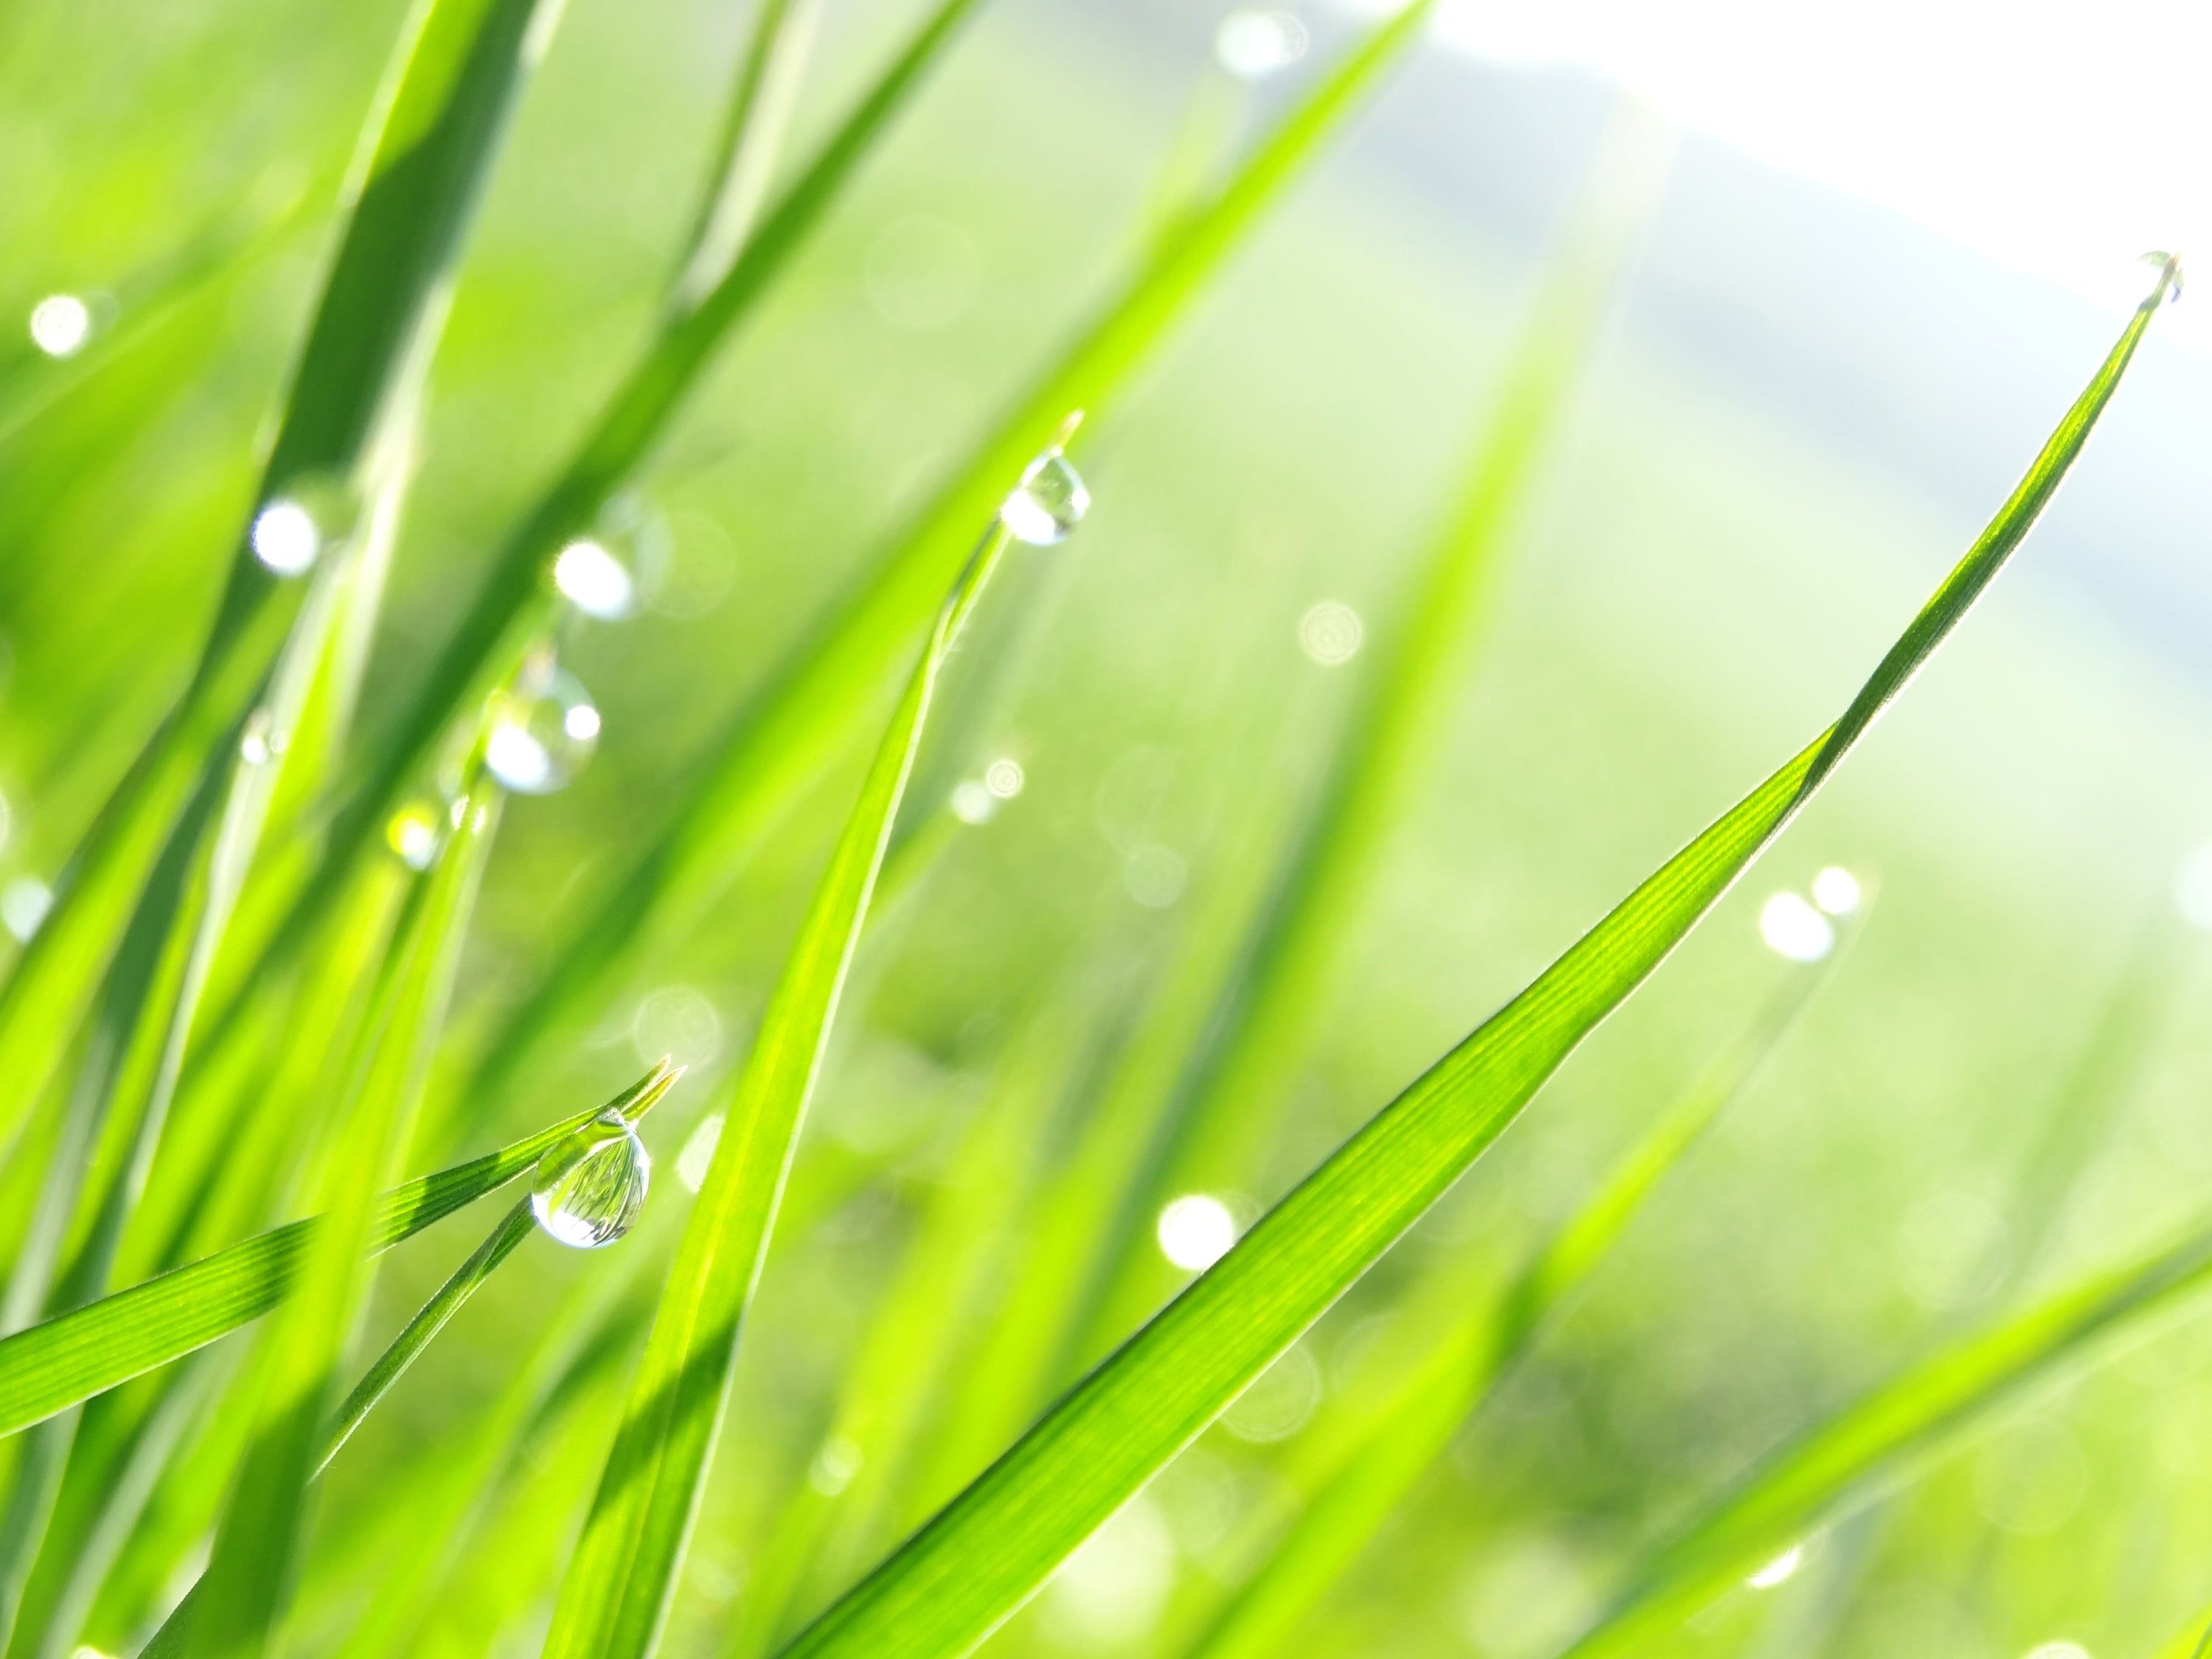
(1704, 572)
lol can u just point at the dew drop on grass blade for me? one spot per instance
(984, 1554)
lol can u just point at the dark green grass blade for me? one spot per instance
(428, 151)
(1369, 1467)
(53, 1366)
(1227, 1104)
(790, 730)
(952, 1583)
(616, 1596)
(1880, 1439)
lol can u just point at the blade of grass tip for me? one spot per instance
(93, 1348)
(920, 1317)
(1229, 1104)
(1882, 1438)
(965, 1571)
(1369, 1457)
(753, 127)
(426, 150)
(248, 1578)
(616, 1593)
(516, 597)
(786, 732)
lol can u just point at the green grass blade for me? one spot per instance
(1878, 1440)
(616, 1592)
(1231, 1100)
(1392, 1436)
(952, 1583)
(759, 113)
(427, 151)
(788, 733)
(68, 1358)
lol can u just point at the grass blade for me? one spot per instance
(952, 1583)
(616, 1596)
(1878, 1440)
(790, 730)
(53, 1366)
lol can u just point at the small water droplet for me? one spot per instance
(833, 1466)
(1782, 1568)
(23, 905)
(2173, 282)
(307, 519)
(1793, 928)
(1836, 890)
(61, 324)
(412, 834)
(1047, 504)
(591, 578)
(1254, 44)
(261, 741)
(1005, 778)
(1331, 633)
(543, 730)
(588, 1191)
(972, 801)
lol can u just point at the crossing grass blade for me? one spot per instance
(1351, 1472)
(1228, 1099)
(614, 1596)
(93, 1348)
(427, 151)
(972, 1565)
(788, 732)
(1881, 1438)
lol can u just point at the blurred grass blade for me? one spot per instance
(790, 730)
(1880, 1439)
(953, 1583)
(616, 1592)
(759, 113)
(248, 1579)
(426, 152)
(1230, 1099)
(1349, 1473)
(78, 1354)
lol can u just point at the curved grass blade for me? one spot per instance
(615, 1595)
(427, 151)
(1879, 1440)
(788, 732)
(1227, 1104)
(52, 1366)
(1378, 1446)
(972, 1565)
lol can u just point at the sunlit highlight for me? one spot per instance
(1195, 1232)
(1793, 928)
(1836, 890)
(60, 324)
(1780, 1570)
(595, 581)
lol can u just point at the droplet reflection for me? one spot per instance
(588, 1190)
(543, 730)
(1782, 1568)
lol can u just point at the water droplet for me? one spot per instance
(1047, 504)
(1836, 890)
(307, 519)
(61, 324)
(1195, 1232)
(1780, 1570)
(2172, 286)
(1331, 633)
(543, 730)
(591, 578)
(413, 834)
(972, 801)
(1793, 928)
(588, 1190)
(1005, 778)
(1254, 44)
(834, 1467)
(261, 741)
(23, 905)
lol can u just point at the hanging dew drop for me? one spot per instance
(543, 730)
(311, 516)
(589, 1190)
(1047, 504)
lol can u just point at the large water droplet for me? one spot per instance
(310, 516)
(61, 324)
(543, 729)
(588, 1191)
(2173, 283)
(1047, 504)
